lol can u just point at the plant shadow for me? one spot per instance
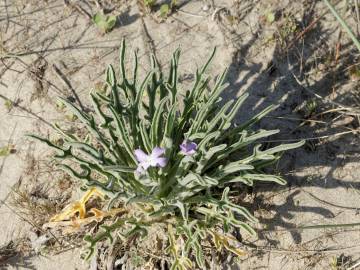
(277, 81)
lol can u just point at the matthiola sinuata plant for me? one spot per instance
(175, 156)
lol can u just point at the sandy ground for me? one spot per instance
(300, 60)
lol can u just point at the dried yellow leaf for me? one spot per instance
(222, 241)
(76, 223)
(77, 207)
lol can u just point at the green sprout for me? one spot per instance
(8, 104)
(103, 22)
(7, 150)
(149, 3)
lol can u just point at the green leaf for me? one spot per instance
(196, 136)
(111, 80)
(208, 138)
(173, 76)
(232, 167)
(97, 106)
(119, 168)
(270, 17)
(8, 104)
(122, 133)
(88, 150)
(231, 115)
(6, 150)
(238, 179)
(145, 136)
(250, 122)
(156, 124)
(85, 118)
(122, 61)
(207, 155)
(204, 111)
(193, 179)
(264, 178)
(62, 153)
(219, 116)
(139, 95)
(105, 23)
(284, 147)
(149, 2)
(164, 10)
(242, 142)
(170, 121)
(65, 135)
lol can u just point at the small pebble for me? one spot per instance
(206, 7)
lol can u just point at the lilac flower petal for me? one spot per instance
(145, 164)
(139, 170)
(161, 162)
(157, 152)
(191, 146)
(188, 148)
(183, 147)
(154, 161)
(141, 156)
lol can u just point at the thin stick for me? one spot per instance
(313, 138)
(28, 221)
(149, 42)
(348, 110)
(357, 15)
(7, 17)
(302, 33)
(354, 266)
(68, 84)
(297, 119)
(78, 8)
(315, 227)
(16, 105)
(329, 203)
(334, 250)
(190, 14)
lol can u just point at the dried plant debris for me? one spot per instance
(12, 249)
(74, 216)
(34, 206)
(37, 74)
(8, 251)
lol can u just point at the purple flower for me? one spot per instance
(155, 159)
(188, 148)
(139, 170)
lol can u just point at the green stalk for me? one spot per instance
(343, 24)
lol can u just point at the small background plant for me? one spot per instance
(104, 22)
(159, 159)
(164, 8)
